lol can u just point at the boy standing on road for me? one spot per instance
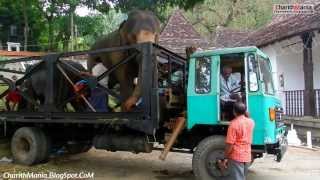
(238, 144)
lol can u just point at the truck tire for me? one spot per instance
(29, 145)
(208, 151)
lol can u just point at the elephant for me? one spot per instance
(140, 26)
(35, 88)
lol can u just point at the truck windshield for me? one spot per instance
(253, 73)
(266, 75)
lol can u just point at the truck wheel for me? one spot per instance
(208, 151)
(29, 145)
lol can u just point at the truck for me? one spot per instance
(179, 110)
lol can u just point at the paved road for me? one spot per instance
(298, 164)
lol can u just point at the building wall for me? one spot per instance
(290, 64)
(287, 60)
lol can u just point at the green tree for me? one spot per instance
(92, 27)
(159, 7)
(25, 17)
(236, 14)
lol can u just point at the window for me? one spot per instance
(266, 75)
(203, 75)
(253, 72)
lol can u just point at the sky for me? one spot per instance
(84, 11)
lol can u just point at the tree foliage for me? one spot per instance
(236, 14)
(47, 25)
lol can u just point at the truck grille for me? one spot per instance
(279, 114)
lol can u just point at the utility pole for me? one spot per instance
(26, 25)
(76, 37)
(71, 29)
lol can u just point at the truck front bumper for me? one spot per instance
(278, 148)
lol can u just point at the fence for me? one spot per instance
(294, 101)
(317, 94)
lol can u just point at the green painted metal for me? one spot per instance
(265, 131)
(210, 53)
(203, 108)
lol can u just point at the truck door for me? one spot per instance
(203, 91)
(255, 97)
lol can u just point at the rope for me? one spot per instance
(70, 81)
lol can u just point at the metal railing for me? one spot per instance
(317, 94)
(294, 102)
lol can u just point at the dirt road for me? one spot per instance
(297, 164)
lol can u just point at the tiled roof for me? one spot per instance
(283, 29)
(280, 17)
(20, 53)
(178, 34)
(226, 37)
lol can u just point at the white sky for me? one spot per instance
(84, 11)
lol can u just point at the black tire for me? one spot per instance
(29, 145)
(77, 148)
(208, 151)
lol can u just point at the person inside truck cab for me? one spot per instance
(229, 86)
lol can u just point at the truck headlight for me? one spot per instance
(272, 114)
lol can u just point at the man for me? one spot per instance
(13, 98)
(238, 144)
(98, 98)
(229, 83)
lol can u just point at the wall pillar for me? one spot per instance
(309, 94)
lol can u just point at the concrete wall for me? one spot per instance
(287, 59)
(290, 64)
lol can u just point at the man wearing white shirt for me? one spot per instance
(229, 85)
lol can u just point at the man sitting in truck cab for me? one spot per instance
(229, 85)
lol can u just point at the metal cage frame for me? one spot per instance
(145, 120)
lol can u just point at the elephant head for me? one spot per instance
(141, 26)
